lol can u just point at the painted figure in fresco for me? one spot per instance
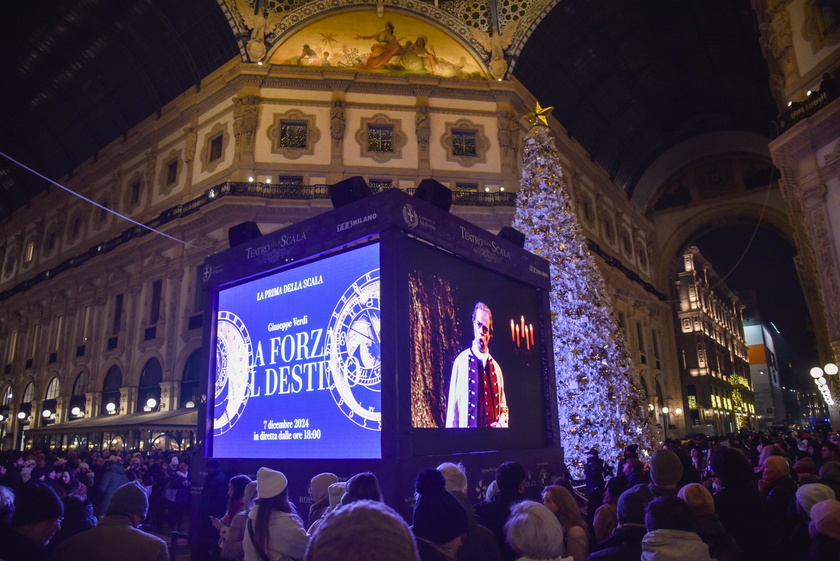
(386, 47)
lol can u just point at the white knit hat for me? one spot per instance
(270, 483)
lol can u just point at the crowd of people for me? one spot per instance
(745, 497)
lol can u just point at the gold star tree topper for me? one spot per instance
(539, 115)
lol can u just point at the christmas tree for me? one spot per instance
(599, 400)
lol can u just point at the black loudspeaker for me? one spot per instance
(349, 191)
(242, 233)
(512, 235)
(434, 192)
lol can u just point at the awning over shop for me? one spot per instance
(178, 419)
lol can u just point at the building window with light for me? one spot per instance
(293, 134)
(464, 143)
(380, 138)
(29, 252)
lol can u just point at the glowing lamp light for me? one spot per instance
(650, 406)
(666, 410)
(22, 415)
(151, 403)
(487, 189)
(46, 413)
(831, 369)
(251, 179)
(190, 404)
(678, 411)
(110, 408)
(820, 381)
(2, 418)
(268, 181)
(816, 372)
(75, 411)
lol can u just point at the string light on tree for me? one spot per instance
(600, 402)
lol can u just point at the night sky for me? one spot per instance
(768, 268)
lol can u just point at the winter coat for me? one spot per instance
(113, 479)
(494, 513)
(286, 537)
(113, 538)
(624, 545)
(674, 545)
(722, 546)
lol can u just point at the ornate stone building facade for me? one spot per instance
(100, 311)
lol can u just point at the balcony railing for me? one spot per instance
(229, 188)
(805, 109)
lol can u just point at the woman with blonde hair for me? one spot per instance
(561, 502)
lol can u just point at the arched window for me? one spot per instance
(148, 392)
(111, 390)
(80, 386)
(78, 399)
(53, 388)
(28, 393)
(7, 396)
(191, 380)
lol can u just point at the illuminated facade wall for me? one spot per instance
(712, 349)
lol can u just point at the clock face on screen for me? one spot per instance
(234, 353)
(354, 352)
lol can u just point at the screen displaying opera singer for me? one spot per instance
(476, 354)
(298, 362)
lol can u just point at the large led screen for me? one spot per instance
(476, 355)
(298, 362)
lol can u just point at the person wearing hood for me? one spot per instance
(319, 491)
(113, 479)
(670, 535)
(535, 533)
(117, 534)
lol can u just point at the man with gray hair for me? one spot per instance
(479, 543)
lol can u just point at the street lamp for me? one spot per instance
(665, 421)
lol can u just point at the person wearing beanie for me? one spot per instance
(494, 512)
(825, 531)
(535, 533)
(666, 470)
(670, 534)
(362, 531)
(625, 544)
(117, 533)
(273, 529)
(722, 546)
(478, 544)
(319, 491)
(439, 520)
(36, 519)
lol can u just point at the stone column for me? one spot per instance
(170, 395)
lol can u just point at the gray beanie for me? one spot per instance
(665, 468)
(129, 499)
